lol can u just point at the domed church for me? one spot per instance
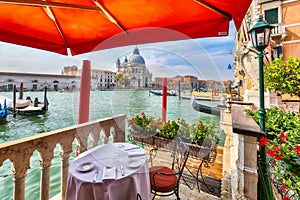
(135, 73)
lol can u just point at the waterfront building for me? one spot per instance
(71, 71)
(187, 82)
(133, 72)
(37, 82)
(106, 78)
(285, 38)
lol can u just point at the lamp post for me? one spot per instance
(260, 37)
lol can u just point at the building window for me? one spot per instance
(277, 52)
(34, 87)
(272, 16)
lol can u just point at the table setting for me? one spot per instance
(111, 171)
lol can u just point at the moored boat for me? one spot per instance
(205, 96)
(206, 109)
(27, 107)
(159, 93)
(3, 110)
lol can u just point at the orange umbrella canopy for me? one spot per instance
(87, 25)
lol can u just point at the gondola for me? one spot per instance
(206, 109)
(3, 110)
(159, 93)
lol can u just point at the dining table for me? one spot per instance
(114, 171)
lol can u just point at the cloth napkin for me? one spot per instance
(109, 173)
(136, 153)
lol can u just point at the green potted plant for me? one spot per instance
(143, 127)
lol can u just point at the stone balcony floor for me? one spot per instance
(213, 176)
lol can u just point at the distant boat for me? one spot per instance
(38, 108)
(159, 93)
(205, 96)
(25, 107)
(206, 109)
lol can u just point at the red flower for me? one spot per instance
(169, 122)
(178, 119)
(278, 157)
(263, 141)
(274, 163)
(282, 186)
(133, 119)
(277, 148)
(286, 198)
(282, 137)
(297, 150)
(143, 113)
(294, 174)
(202, 126)
(271, 153)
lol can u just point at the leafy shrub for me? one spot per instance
(283, 147)
(283, 77)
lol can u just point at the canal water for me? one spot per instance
(63, 112)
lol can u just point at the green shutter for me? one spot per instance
(272, 16)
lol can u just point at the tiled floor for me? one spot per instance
(187, 194)
(212, 175)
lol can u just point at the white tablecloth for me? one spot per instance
(110, 183)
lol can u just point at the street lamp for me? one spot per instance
(260, 37)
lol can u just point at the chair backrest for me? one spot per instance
(208, 151)
(180, 153)
(138, 196)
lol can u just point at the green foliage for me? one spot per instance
(195, 133)
(283, 77)
(144, 124)
(283, 146)
(169, 130)
(277, 120)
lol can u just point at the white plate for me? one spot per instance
(134, 162)
(85, 167)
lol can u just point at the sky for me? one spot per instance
(205, 58)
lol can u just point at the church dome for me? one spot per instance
(136, 57)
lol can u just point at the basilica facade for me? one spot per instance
(132, 72)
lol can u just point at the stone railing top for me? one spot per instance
(242, 123)
(47, 134)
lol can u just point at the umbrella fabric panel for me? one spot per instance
(84, 26)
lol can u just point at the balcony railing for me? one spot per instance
(278, 30)
(20, 151)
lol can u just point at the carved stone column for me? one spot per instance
(248, 131)
(20, 166)
(45, 162)
(65, 155)
(226, 126)
(120, 129)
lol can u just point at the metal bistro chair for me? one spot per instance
(138, 196)
(164, 180)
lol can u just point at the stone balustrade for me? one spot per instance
(20, 151)
(278, 30)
